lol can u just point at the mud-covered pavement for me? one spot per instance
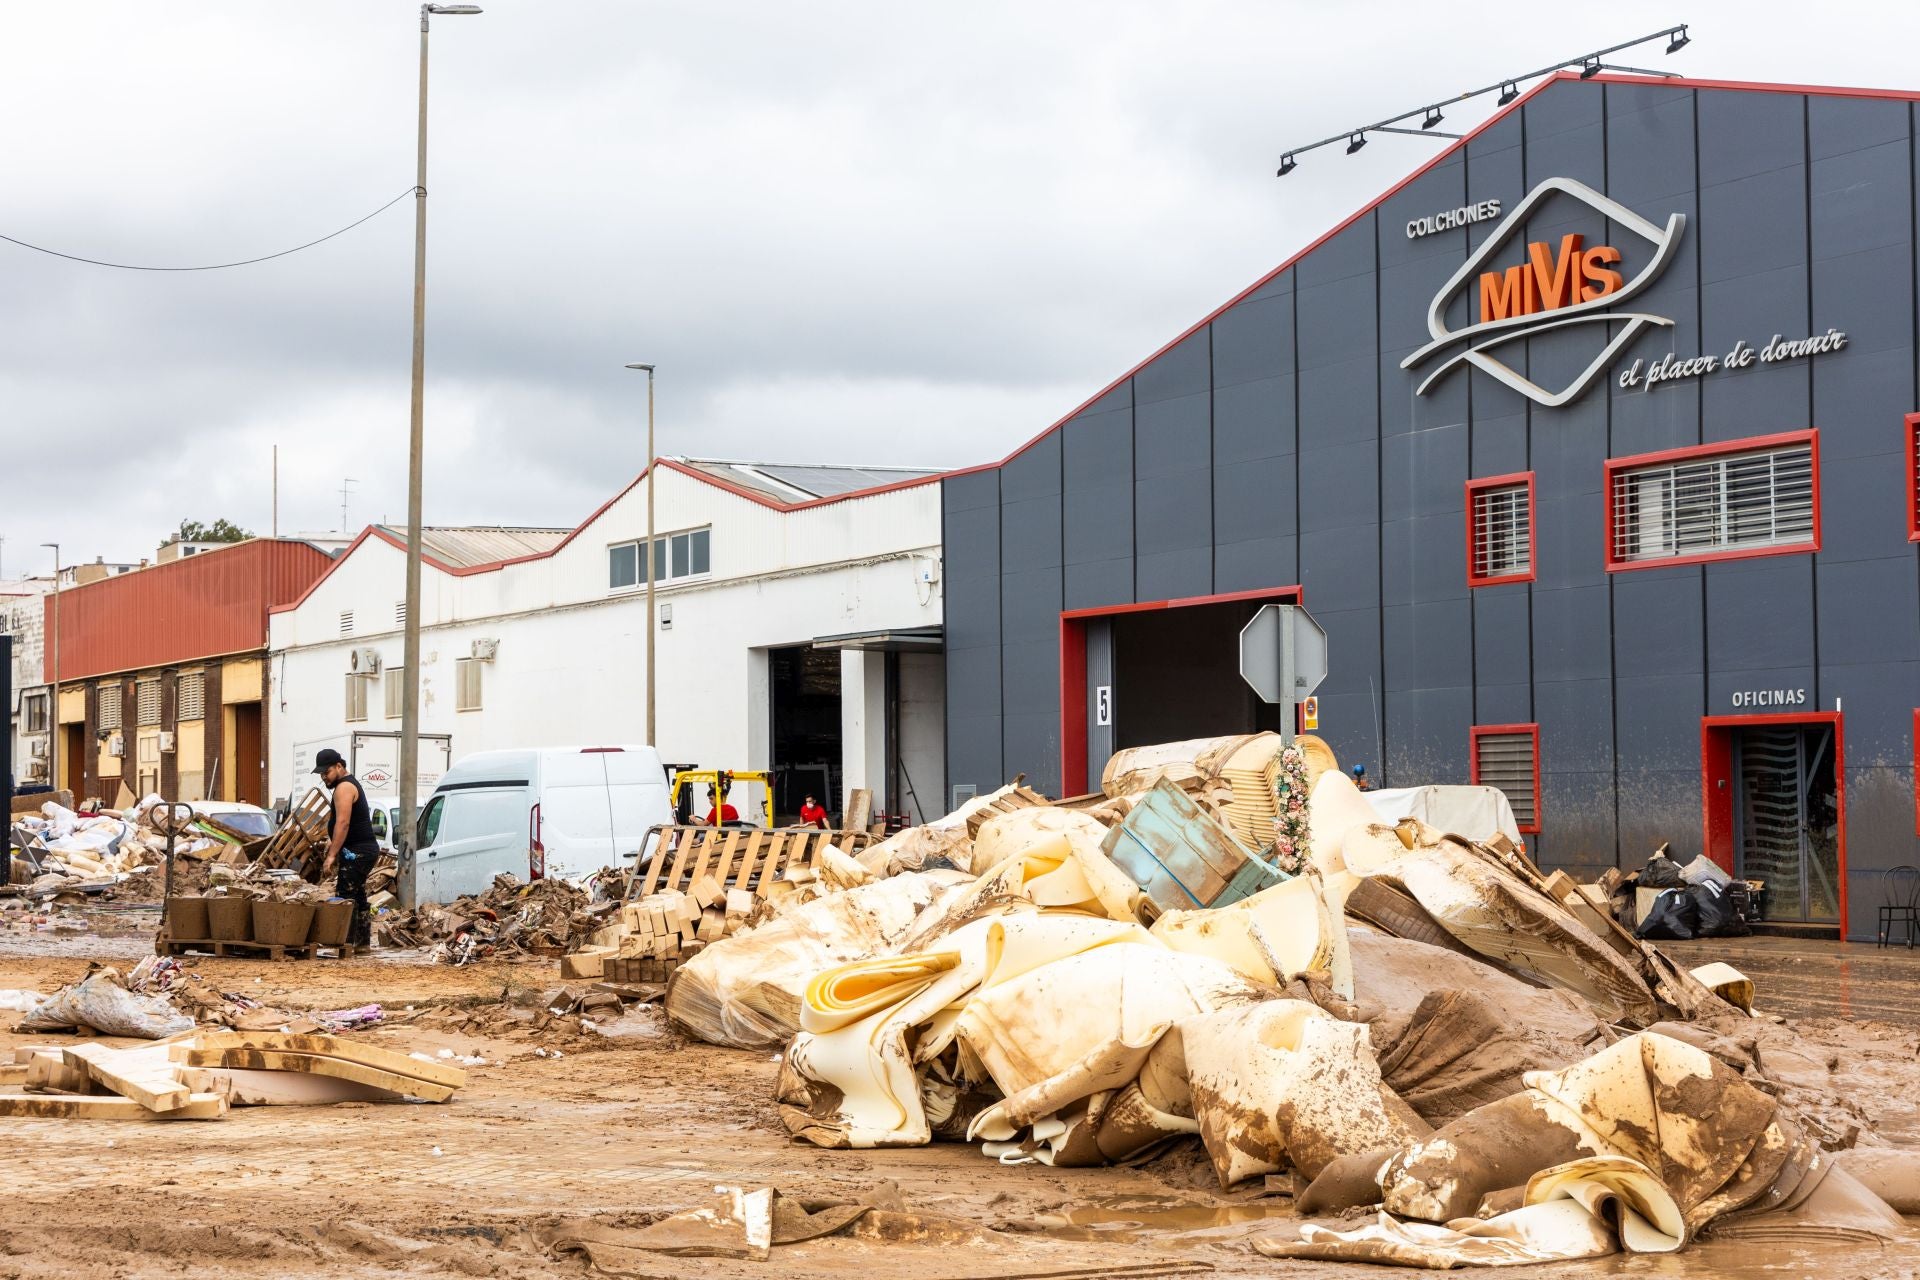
(628, 1133)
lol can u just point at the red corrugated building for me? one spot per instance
(162, 672)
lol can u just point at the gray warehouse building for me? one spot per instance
(1592, 447)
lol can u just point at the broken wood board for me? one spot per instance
(48, 1074)
(14, 1074)
(315, 1064)
(358, 1051)
(145, 1075)
(245, 1088)
(41, 1106)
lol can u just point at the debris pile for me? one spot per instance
(546, 917)
(1229, 944)
(70, 852)
(162, 997)
(200, 1076)
(569, 1017)
(703, 885)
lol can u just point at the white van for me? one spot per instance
(563, 812)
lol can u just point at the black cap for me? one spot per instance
(326, 759)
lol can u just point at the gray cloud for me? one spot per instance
(893, 233)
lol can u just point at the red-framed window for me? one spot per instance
(1500, 543)
(1913, 477)
(1729, 501)
(1507, 756)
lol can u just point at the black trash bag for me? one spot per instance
(1716, 913)
(1661, 872)
(1675, 915)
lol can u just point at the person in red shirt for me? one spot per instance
(812, 815)
(725, 813)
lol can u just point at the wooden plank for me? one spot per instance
(859, 813)
(680, 859)
(145, 1075)
(747, 858)
(280, 1088)
(39, 1106)
(359, 1051)
(315, 1064)
(49, 1074)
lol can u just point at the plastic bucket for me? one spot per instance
(281, 924)
(230, 919)
(331, 921)
(187, 919)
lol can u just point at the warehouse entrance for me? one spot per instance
(805, 686)
(1164, 671)
(1776, 810)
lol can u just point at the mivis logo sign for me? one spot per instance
(1553, 287)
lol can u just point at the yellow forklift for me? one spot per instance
(720, 782)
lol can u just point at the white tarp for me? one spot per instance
(1474, 812)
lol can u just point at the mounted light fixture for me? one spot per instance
(1588, 65)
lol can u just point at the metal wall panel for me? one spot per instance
(198, 607)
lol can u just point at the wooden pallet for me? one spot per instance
(302, 839)
(254, 950)
(734, 858)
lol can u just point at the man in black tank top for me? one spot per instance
(352, 847)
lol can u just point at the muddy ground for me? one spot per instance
(629, 1129)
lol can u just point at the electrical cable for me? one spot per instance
(217, 266)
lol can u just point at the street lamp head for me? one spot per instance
(452, 10)
(647, 367)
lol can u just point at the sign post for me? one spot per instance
(1283, 655)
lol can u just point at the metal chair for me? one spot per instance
(1899, 901)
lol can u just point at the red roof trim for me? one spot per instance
(668, 464)
(1676, 83)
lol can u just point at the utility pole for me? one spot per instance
(647, 555)
(410, 702)
(276, 491)
(53, 717)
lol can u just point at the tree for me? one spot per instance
(221, 530)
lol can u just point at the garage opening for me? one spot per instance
(1140, 674)
(1176, 675)
(805, 685)
(1776, 812)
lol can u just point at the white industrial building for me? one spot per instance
(800, 632)
(23, 616)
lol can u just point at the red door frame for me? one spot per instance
(1716, 803)
(1073, 666)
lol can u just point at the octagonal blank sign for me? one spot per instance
(1262, 652)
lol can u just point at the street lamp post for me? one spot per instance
(53, 718)
(410, 705)
(652, 622)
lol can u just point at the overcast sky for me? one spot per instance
(879, 232)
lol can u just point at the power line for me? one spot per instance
(216, 266)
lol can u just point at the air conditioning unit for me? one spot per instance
(36, 771)
(116, 745)
(39, 748)
(485, 650)
(166, 740)
(364, 662)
